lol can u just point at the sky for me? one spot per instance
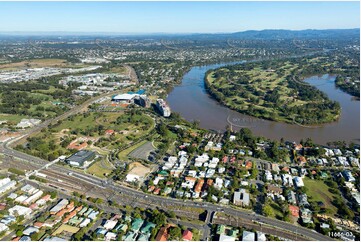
(176, 17)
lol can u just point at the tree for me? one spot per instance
(175, 233)
(268, 211)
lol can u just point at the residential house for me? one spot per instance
(187, 235)
(241, 198)
(274, 189)
(302, 200)
(248, 236)
(294, 210)
(306, 215)
(298, 181)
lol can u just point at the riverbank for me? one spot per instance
(192, 101)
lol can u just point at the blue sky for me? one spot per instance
(176, 17)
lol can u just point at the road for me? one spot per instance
(141, 198)
(101, 186)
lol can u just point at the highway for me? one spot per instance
(99, 186)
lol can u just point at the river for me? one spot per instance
(192, 101)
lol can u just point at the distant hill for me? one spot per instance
(288, 34)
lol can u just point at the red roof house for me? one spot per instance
(187, 235)
(295, 211)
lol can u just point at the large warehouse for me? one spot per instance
(81, 158)
(128, 98)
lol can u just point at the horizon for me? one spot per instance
(154, 33)
(145, 18)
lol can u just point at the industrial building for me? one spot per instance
(126, 98)
(163, 107)
(142, 100)
(81, 158)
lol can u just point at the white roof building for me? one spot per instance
(3, 227)
(298, 181)
(248, 236)
(29, 189)
(110, 224)
(219, 183)
(132, 178)
(84, 223)
(33, 198)
(224, 237)
(261, 236)
(18, 210)
(29, 230)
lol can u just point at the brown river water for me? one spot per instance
(192, 101)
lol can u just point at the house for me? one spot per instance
(218, 183)
(109, 132)
(298, 181)
(221, 170)
(110, 236)
(93, 215)
(348, 176)
(3, 227)
(38, 224)
(249, 165)
(268, 175)
(261, 236)
(241, 198)
(294, 210)
(306, 215)
(28, 189)
(287, 180)
(163, 233)
(248, 236)
(8, 219)
(210, 173)
(187, 235)
(30, 229)
(6, 184)
(18, 210)
(224, 237)
(137, 224)
(84, 223)
(33, 198)
(110, 224)
(302, 200)
(275, 167)
(189, 182)
(291, 197)
(147, 228)
(274, 189)
(199, 185)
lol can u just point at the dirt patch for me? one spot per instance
(138, 169)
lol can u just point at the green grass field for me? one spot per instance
(318, 191)
(100, 169)
(12, 117)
